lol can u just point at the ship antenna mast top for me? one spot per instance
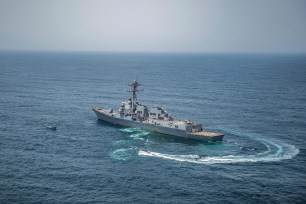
(134, 85)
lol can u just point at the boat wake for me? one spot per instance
(266, 150)
(274, 151)
(123, 154)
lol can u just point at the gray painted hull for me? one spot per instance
(153, 127)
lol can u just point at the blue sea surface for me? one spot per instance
(257, 100)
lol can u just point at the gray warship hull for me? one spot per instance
(153, 126)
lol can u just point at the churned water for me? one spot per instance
(258, 101)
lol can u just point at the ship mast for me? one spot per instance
(134, 92)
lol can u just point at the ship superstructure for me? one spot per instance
(131, 113)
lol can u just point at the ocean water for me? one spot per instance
(258, 101)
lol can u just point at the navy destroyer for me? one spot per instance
(131, 113)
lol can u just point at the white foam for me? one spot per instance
(276, 151)
(135, 133)
(130, 130)
(122, 154)
(139, 135)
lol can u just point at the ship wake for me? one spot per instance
(274, 151)
(123, 154)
